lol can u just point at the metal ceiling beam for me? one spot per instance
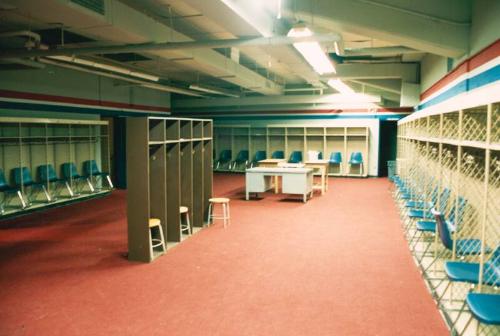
(271, 101)
(389, 85)
(170, 46)
(382, 51)
(383, 20)
(408, 72)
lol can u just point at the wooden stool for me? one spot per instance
(185, 226)
(154, 223)
(225, 210)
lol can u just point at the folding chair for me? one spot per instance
(485, 308)
(259, 156)
(461, 271)
(295, 157)
(241, 158)
(23, 179)
(356, 160)
(224, 158)
(336, 159)
(70, 174)
(8, 193)
(46, 175)
(463, 246)
(91, 170)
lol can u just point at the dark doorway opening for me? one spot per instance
(387, 144)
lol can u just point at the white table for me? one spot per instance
(294, 180)
(322, 166)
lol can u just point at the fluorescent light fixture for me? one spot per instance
(340, 86)
(107, 67)
(312, 51)
(336, 46)
(209, 89)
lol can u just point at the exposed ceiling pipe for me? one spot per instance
(380, 51)
(155, 86)
(141, 47)
(303, 89)
(23, 33)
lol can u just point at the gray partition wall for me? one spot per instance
(169, 164)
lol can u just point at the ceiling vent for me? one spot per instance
(96, 6)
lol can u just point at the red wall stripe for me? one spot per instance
(482, 57)
(80, 101)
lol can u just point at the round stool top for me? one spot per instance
(183, 209)
(219, 200)
(154, 222)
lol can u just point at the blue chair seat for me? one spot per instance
(414, 213)
(415, 204)
(427, 226)
(462, 271)
(485, 307)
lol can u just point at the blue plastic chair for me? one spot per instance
(485, 307)
(464, 246)
(356, 160)
(224, 158)
(73, 178)
(23, 179)
(259, 156)
(336, 159)
(278, 155)
(469, 272)
(91, 169)
(295, 157)
(242, 158)
(8, 192)
(46, 175)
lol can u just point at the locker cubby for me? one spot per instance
(156, 130)
(171, 174)
(197, 129)
(172, 130)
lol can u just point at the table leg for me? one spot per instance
(322, 181)
(276, 186)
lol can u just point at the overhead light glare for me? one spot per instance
(209, 89)
(107, 67)
(340, 86)
(312, 51)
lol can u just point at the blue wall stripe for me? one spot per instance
(487, 77)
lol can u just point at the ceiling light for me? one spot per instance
(312, 51)
(336, 46)
(107, 67)
(209, 89)
(340, 86)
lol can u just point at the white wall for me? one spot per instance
(76, 84)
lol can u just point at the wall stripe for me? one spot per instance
(43, 102)
(484, 56)
(490, 76)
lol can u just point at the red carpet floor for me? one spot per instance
(337, 265)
